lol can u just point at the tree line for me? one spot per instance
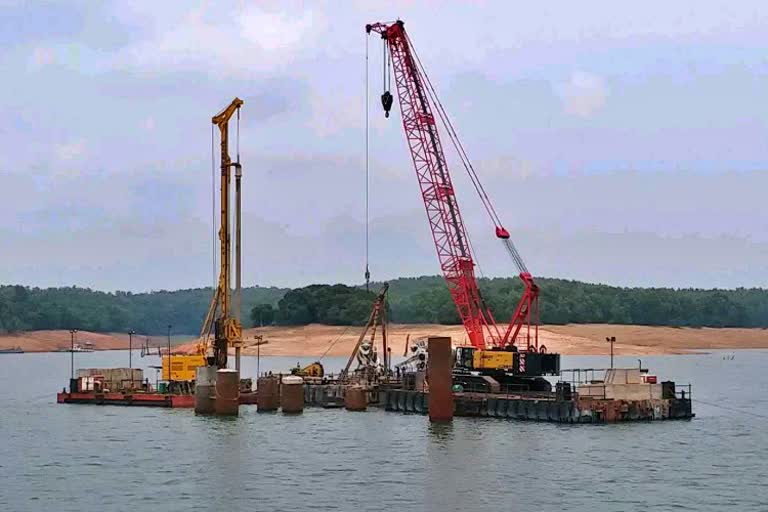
(411, 300)
(23, 309)
(426, 300)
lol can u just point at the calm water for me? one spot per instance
(80, 458)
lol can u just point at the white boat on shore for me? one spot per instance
(77, 347)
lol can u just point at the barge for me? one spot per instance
(128, 387)
(138, 398)
(585, 396)
(123, 386)
(591, 396)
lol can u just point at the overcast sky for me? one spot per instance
(621, 143)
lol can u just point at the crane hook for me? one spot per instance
(386, 102)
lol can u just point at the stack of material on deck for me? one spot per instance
(115, 379)
(622, 384)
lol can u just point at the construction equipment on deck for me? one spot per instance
(417, 98)
(369, 366)
(315, 369)
(182, 366)
(417, 361)
(222, 320)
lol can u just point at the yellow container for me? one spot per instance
(183, 367)
(492, 359)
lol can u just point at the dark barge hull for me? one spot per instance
(128, 399)
(140, 399)
(519, 407)
(545, 410)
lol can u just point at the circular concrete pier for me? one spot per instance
(227, 401)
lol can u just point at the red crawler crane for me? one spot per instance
(417, 98)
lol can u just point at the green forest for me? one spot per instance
(411, 300)
(23, 308)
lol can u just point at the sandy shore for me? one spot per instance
(587, 339)
(51, 341)
(318, 340)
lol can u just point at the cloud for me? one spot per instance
(41, 56)
(506, 166)
(68, 151)
(136, 84)
(583, 95)
(335, 113)
(702, 230)
(249, 40)
(275, 31)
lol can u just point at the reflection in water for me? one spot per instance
(440, 433)
(75, 458)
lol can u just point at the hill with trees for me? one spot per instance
(26, 309)
(426, 300)
(411, 300)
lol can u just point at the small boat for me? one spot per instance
(86, 347)
(12, 350)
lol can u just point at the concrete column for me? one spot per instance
(205, 389)
(227, 392)
(355, 398)
(267, 394)
(440, 378)
(292, 394)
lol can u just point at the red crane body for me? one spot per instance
(448, 231)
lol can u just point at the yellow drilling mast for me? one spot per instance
(225, 326)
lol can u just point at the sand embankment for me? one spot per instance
(50, 341)
(588, 339)
(318, 340)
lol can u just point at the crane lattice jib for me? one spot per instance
(448, 232)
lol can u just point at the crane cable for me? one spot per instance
(453, 136)
(334, 342)
(237, 170)
(367, 171)
(733, 409)
(213, 207)
(436, 101)
(468, 167)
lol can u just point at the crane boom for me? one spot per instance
(226, 328)
(448, 231)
